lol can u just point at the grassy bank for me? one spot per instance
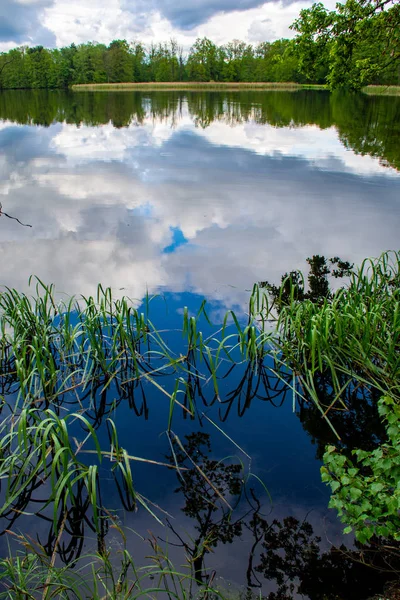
(382, 90)
(192, 85)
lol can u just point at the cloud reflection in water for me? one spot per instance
(250, 200)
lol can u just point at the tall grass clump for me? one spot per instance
(354, 334)
(31, 574)
(49, 348)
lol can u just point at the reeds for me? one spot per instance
(58, 354)
(382, 90)
(354, 336)
(31, 574)
(191, 85)
(55, 355)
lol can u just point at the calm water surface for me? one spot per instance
(192, 196)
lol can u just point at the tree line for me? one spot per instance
(357, 44)
(39, 67)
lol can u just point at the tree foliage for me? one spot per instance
(292, 286)
(366, 488)
(356, 44)
(123, 62)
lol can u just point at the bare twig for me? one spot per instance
(13, 218)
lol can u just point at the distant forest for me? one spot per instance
(122, 62)
(355, 45)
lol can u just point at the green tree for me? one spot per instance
(88, 63)
(39, 66)
(205, 61)
(138, 53)
(359, 41)
(118, 62)
(235, 53)
(163, 62)
(14, 73)
(63, 73)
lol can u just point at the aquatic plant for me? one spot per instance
(59, 359)
(31, 574)
(352, 337)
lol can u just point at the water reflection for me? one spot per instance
(212, 491)
(208, 192)
(201, 193)
(366, 124)
(359, 424)
(214, 486)
(283, 555)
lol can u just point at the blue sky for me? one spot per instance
(60, 22)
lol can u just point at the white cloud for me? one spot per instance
(268, 22)
(21, 20)
(108, 143)
(63, 22)
(80, 21)
(104, 20)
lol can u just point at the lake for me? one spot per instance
(186, 196)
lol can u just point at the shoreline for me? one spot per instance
(194, 85)
(382, 90)
(370, 90)
(374, 90)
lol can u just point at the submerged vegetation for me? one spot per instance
(95, 354)
(67, 366)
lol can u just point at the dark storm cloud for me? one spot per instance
(21, 22)
(186, 14)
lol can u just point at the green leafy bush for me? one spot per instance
(366, 489)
